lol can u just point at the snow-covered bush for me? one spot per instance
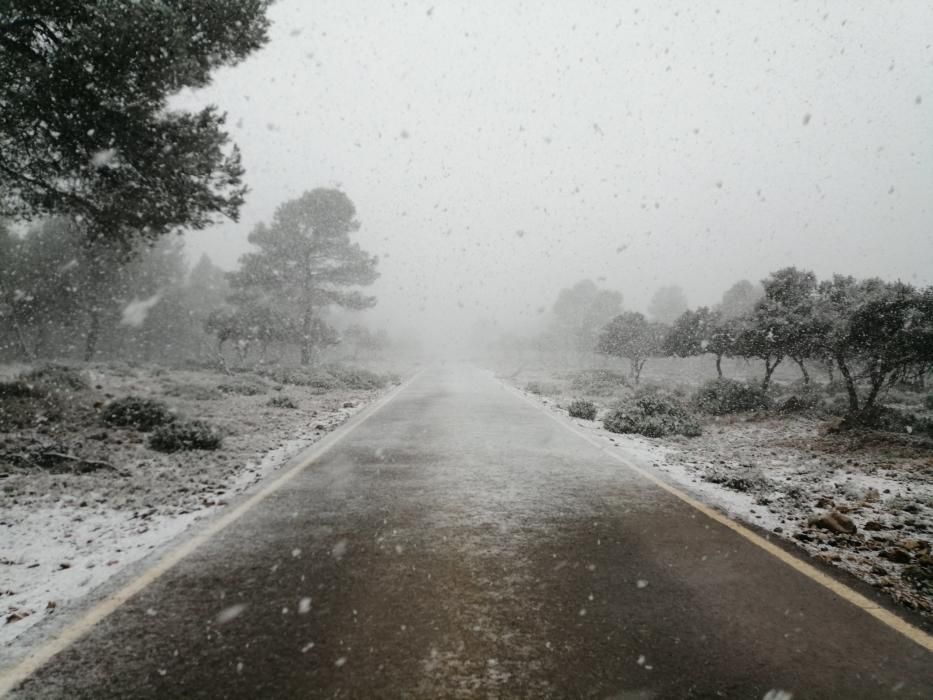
(137, 412)
(581, 408)
(185, 435)
(719, 397)
(282, 402)
(652, 415)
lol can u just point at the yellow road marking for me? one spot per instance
(34, 660)
(857, 599)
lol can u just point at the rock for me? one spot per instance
(896, 555)
(879, 570)
(779, 530)
(834, 521)
(873, 525)
(825, 502)
(803, 536)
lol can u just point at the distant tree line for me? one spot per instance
(873, 333)
(865, 334)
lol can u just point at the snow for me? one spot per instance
(64, 535)
(781, 473)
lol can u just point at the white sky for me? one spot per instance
(637, 144)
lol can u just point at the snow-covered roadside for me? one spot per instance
(63, 535)
(863, 506)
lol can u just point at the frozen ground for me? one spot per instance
(862, 501)
(63, 534)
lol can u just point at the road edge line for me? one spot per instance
(35, 660)
(889, 619)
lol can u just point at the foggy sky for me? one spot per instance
(498, 151)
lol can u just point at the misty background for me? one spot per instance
(499, 151)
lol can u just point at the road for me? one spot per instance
(459, 543)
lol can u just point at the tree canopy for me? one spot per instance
(84, 120)
(306, 261)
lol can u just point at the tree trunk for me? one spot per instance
(637, 365)
(719, 366)
(769, 370)
(306, 339)
(93, 334)
(850, 385)
(803, 369)
(828, 364)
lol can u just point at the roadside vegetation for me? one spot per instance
(798, 405)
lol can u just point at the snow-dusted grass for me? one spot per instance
(782, 473)
(63, 533)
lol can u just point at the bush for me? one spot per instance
(805, 398)
(185, 435)
(58, 377)
(193, 392)
(542, 388)
(652, 415)
(357, 378)
(719, 397)
(329, 378)
(282, 402)
(137, 412)
(26, 405)
(598, 382)
(581, 408)
(243, 388)
(890, 420)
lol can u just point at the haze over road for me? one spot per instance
(460, 543)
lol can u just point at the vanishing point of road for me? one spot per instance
(459, 543)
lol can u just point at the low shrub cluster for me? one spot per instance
(891, 420)
(652, 415)
(137, 412)
(185, 435)
(282, 401)
(329, 378)
(27, 405)
(193, 392)
(57, 377)
(542, 388)
(598, 382)
(243, 387)
(719, 397)
(581, 408)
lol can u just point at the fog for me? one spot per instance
(497, 151)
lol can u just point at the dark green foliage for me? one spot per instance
(137, 412)
(720, 397)
(282, 402)
(307, 261)
(802, 399)
(185, 435)
(86, 126)
(652, 415)
(928, 402)
(581, 408)
(598, 382)
(57, 377)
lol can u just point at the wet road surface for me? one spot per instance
(460, 544)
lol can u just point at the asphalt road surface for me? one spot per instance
(459, 543)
